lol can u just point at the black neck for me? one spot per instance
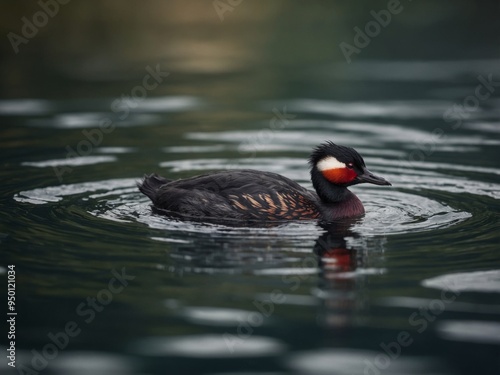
(328, 192)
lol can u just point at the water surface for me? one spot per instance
(411, 287)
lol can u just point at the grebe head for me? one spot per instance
(341, 166)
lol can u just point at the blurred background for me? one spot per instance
(252, 49)
(96, 93)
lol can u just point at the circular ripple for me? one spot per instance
(399, 212)
(387, 213)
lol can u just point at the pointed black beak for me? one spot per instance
(370, 178)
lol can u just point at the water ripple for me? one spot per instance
(209, 346)
(478, 281)
(386, 214)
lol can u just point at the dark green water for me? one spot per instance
(413, 287)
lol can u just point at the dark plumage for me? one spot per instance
(255, 196)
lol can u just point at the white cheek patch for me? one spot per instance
(329, 163)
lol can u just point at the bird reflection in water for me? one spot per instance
(335, 270)
(346, 260)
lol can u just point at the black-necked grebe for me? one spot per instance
(251, 195)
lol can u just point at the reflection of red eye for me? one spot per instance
(350, 166)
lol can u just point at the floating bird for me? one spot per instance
(257, 196)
